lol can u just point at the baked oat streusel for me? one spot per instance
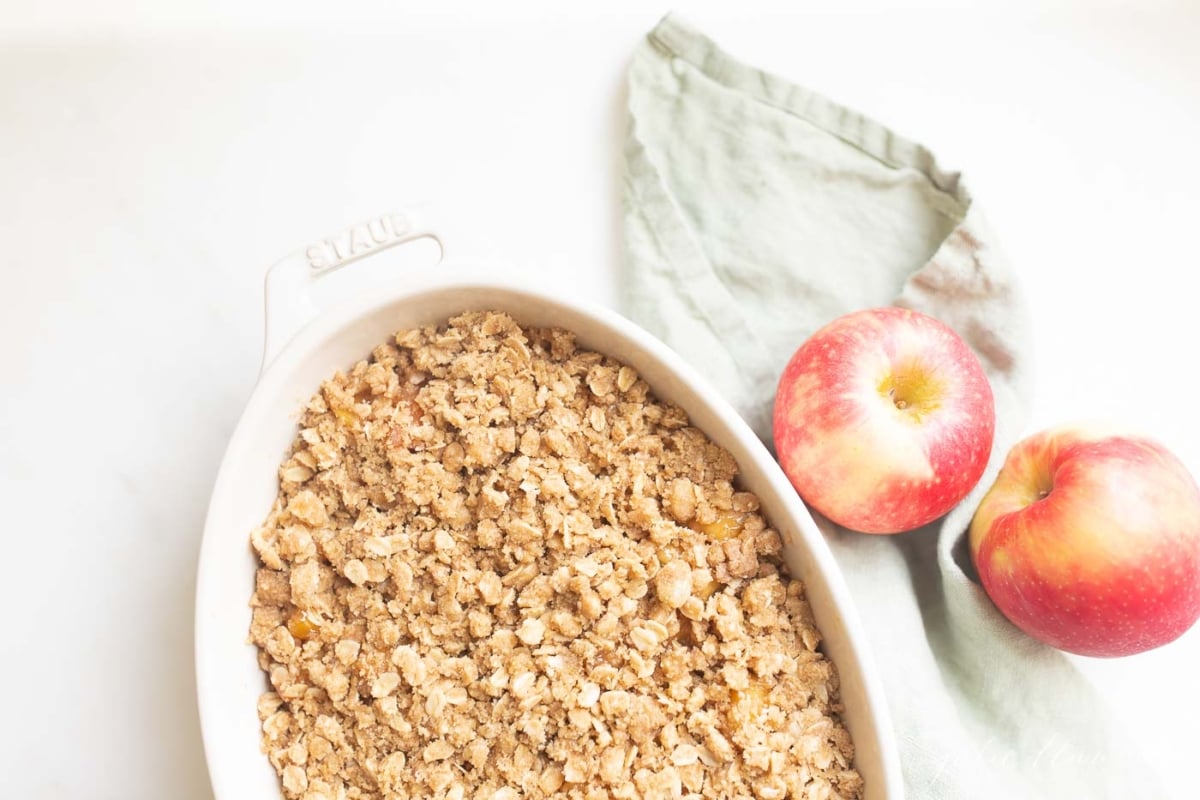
(498, 569)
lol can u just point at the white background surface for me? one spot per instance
(155, 159)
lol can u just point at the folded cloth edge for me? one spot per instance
(966, 264)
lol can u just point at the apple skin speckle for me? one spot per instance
(884, 420)
(1106, 562)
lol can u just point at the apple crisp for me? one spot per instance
(499, 568)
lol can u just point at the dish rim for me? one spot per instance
(339, 322)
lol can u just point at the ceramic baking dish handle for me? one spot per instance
(293, 295)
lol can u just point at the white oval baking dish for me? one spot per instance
(227, 675)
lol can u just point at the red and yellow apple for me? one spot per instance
(1090, 542)
(884, 420)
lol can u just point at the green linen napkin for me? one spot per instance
(755, 212)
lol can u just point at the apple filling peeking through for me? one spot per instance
(499, 567)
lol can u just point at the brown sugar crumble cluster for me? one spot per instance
(498, 568)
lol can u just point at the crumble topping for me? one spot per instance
(498, 568)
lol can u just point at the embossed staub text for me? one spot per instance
(358, 240)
